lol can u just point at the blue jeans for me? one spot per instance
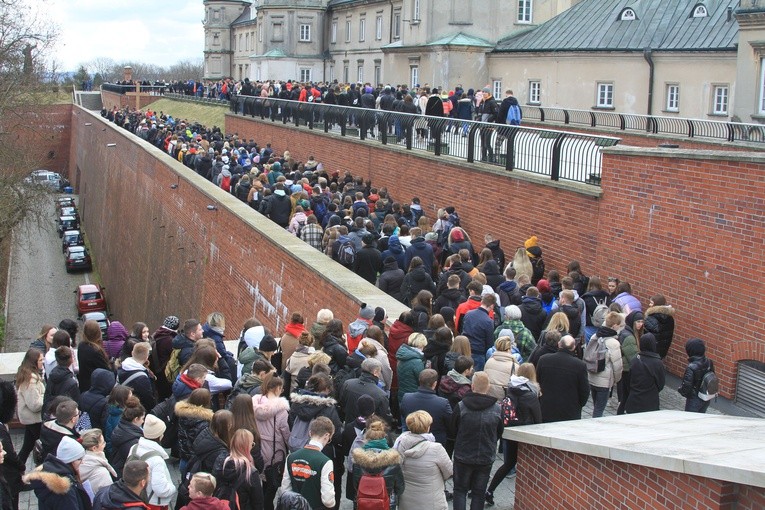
(469, 477)
(599, 400)
(479, 361)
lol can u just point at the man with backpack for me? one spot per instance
(700, 383)
(603, 358)
(309, 472)
(134, 374)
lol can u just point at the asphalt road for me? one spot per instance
(39, 289)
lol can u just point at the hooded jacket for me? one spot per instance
(390, 280)
(646, 378)
(509, 293)
(336, 351)
(426, 466)
(116, 334)
(141, 382)
(161, 488)
(56, 487)
(30, 400)
(365, 384)
(478, 424)
(497, 252)
(533, 315)
(698, 365)
(374, 461)
(396, 250)
(614, 367)
(192, 420)
(185, 345)
(416, 280)
(306, 405)
(419, 248)
(500, 367)
(356, 330)
(452, 298)
(118, 495)
(453, 386)
(97, 470)
(61, 381)
(660, 320)
(207, 503)
(526, 396)
(272, 418)
(94, 401)
(123, 438)
(493, 276)
(409, 364)
(211, 452)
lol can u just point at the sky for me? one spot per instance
(150, 31)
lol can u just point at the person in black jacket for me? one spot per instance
(134, 374)
(564, 383)
(62, 425)
(416, 280)
(647, 378)
(90, 354)
(61, 380)
(660, 320)
(278, 207)
(94, 401)
(425, 399)
(127, 433)
(368, 261)
(365, 384)
(698, 365)
(391, 278)
(487, 112)
(193, 415)
(11, 469)
(211, 445)
(332, 344)
(592, 298)
(533, 315)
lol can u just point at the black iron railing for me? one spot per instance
(124, 89)
(652, 124)
(557, 154)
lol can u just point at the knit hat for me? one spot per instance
(366, 312)
(543, 286)
(695, 347)
(431, 236)
(69, 450)
(647, 342)
(534, 252)
(153, 427)
(365, 406)
(171, 322)
(506, 332)
(380, 312)
(457, 235)
(531, 241)
(253, 336)
(633, 317)
(447, 312)
(513, 312)
(268, 344)
(390, 259)
(486, 90)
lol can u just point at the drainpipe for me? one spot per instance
(648, 56)
(390, 31)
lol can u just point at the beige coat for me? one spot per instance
(499, 368)
(613, 372)
(96, 469)
(295, 363)
(426, 466)
(30, 401)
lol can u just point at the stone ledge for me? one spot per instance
(725, 448)
(696, 154)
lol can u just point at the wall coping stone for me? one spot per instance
(696, 154)
(721, 447)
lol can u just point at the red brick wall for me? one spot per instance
(161, 252)
(668, 224)
(750, 498)
(112, 99)
(41, 135)
(576, 481)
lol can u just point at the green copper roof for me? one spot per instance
(461, 39)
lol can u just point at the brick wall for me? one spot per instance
(583, 482)
(160, 251)
(689, 225)
(112, 99)
(41, 135)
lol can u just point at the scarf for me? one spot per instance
(376, 444)
(191, 383)
(294, 329)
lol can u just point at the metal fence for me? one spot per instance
(557, 154)
(676, 126)
(124, 89)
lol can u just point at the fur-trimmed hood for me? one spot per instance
(312, 399)
(307, 405)
(266, 408)
(665, 309)
(375, 460)
(53, 475)
(185, 410)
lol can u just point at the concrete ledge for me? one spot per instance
(706, 155)
(725, 448)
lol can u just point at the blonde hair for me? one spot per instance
(318, 357)
(375, 430)
(528, 371)
(417, 340)
(504, 343)
(324, 316)
(559, 322)
(216, 320)
(522, 264)
(419, 422)
(91, 438)
(461, 345)
(480, 382)
(141, 351)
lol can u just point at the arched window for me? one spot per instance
(628, 14)
(699, 11)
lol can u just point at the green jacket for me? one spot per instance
(410, 363)
(523, 337)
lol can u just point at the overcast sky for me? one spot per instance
(151, 31)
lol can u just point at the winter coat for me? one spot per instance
(479, 328)
(113, 417)
(660, 321)
(398, 336)
(591, 300)
(118, 495)
(453, 386)
(89, 359)
(419, 248)
(437, 407)
(51, 434)
(233, 483)
(416, 280)
(57, 487)
(541, 350)
(613, 371)
(499, 368)
(629, 347)
(192, 420)
(207, 503)
(94, 401)
(61, 381)
(478, 424)
(123, 438)
(368, 263)
(565, 386)
(524, 338)
(390, 280)
(451, 298)
(646, 382)
(185, 345)
(698, 365)
(97, 470)
(426, 466)
(410, 363)
(386, 462)
(141, 382)
(365, 384)
(116, 335)
(628, 302)
(526, 397)
(211, 452)
(493, 276)
(30, 400)
(306, 406)
(271, 416)
(396, 250)
(509, 293)
(289, 342)
(336, 351)
(435, 356)
(533, 316)
(161, 488)
(295, 363)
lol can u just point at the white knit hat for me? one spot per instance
(153, 427)
(69, 450)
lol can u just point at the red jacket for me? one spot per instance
(398, 335)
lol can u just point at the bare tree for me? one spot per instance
(105, 67)
(185, 70)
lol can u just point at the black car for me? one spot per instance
(71, 238)
(62, 202)
(67, 223)
(69, 211)
(77, 258)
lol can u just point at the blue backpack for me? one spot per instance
(514, 115)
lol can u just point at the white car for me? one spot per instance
(46, 178)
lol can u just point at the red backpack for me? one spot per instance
(225, 184)
(372, 493)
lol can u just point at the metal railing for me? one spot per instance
(652, 124)
(557, 154)
(124, 89)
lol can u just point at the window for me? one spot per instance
(216, 39)
(260, 34)
(346, 74)
(414, 73)
(605, 95)
(762, 87)
(305, 32)
(496, 88)
(416, 11)
(348, 31)
(699, 11)
(396, 25)
(524, 11)
(378, 27)
(241, 46)
(628, 15)
(278, 33)
(535, 92)
(360, 73)
(378, 74)
(305, 74)
(720, 97)
(362, 29)
(673, 98)
(333, 33)
(331, 73)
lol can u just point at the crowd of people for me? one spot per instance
(383, 414)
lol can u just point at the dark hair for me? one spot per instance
(28, 367)
(119, 395)
(70, 327)
(270, 383)
(189, 326)
(620, 289)
(463, 363)
(428, 377)
(133, 409)
(319, 383)
(244, 415)
(200, 397)
(61, 339)
(222, 426)
(334, 328)
(64, 354)
(261, 365)
(135, 471)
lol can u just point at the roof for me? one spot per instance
(336, 3)
(662, 25)
(461, 39)
(89, 288)
(244, 17)
(273, 53)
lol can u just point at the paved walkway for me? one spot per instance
(505, 493)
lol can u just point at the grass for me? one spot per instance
(206, 114)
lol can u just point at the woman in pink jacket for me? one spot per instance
(271, 413)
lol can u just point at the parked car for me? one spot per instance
(71, 238)
(90, 298)
(101, 318)
(70, 211)
(67, 223)
(77, 257)
(48, 179)
(64, 202)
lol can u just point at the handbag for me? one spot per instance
(275, 471)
